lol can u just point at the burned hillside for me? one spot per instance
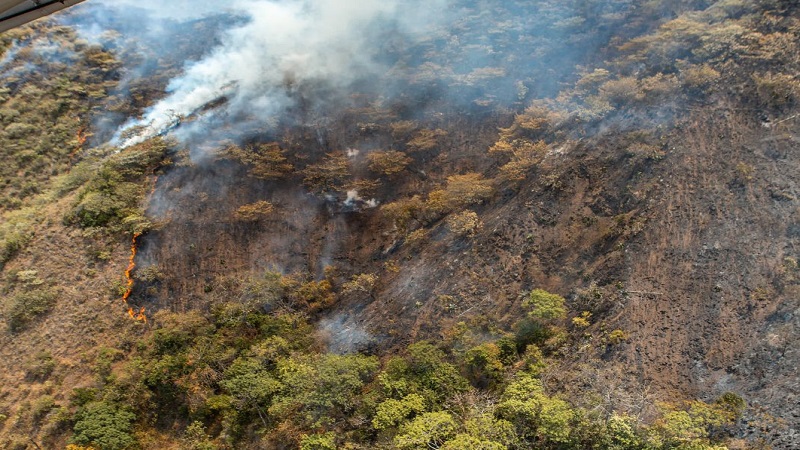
(474, 225)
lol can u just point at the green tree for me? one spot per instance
(545, 305)
(536, 416)
(693, 424)
(196, 438)
(621, 434)
(325, 441)
(319, 390)
(466, 441)
(483, 365)
(423, 371)
(104, 425)
(249, 382)
(391, 412)
(430, 430)
(486, 426)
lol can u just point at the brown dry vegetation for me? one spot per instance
(658, 195)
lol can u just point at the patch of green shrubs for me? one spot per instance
(113, 196)
(24, 307)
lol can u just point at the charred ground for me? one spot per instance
(656, 191)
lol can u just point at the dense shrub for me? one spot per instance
(26, 306)
(104, 425)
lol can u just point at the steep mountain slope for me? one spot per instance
(654, 187)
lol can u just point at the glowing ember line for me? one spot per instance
(155, 185)
(138, 316)
(80, 137)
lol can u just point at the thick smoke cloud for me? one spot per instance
(282, 45)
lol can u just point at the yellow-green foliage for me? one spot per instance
(319, 390)
(535, 414)
(582, 321)
(265, 372)
(326, 441)
(252, 372)
(689, 425)
(483, 364)
(404, 212)
(362, 283)
(465, 223)
(311, 295)
(430, 430)
(392, 412)
(265, 161)
(255, 211)
(617, 337)
(460, 191)
(778, 90)
(196, 438)
(425, 140)
(16, 231)
(388, 162)
(544, 305)
(114, 195)
(328, 175)
(24, 307)
(45, 105)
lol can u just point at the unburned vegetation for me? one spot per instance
(512, 253)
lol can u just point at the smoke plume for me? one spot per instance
(281, 46)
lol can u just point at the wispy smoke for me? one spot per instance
(175, 10)
(343, 334)
(283, 46)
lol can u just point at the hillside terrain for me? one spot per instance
(532, 225)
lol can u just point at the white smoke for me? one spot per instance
(284, 44)
(175, 10)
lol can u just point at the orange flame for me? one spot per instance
(81, 137)
(131, 266)
(138, 316)
(155, 185)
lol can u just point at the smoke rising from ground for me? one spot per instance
(282, 46)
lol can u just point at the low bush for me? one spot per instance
(25, 307)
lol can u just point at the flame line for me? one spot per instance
(80, 137)
(137, 316)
